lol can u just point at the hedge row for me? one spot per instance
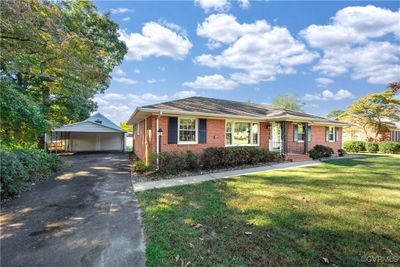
(22, 167)
(389, 147)
(212, 158)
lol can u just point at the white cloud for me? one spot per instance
(155, 40)
(328, 95)
(323, 82)
(350, 44)
(124, 80)
(126, 18)
(245, 4)
(113, 96)
(136, 71)
(119, 72)
(224, 28)
(185, 94)
(120, 10)
(151, 81)
(260, 56)
(212, 82)
(213, 5)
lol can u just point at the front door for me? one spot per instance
(275, 140)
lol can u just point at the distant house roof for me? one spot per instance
(95, 123)
(204, 106)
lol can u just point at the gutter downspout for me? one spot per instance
(158, 140)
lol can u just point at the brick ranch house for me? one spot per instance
(196, 123)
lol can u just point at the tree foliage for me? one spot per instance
(288, 101)
(376, 111)
(59, 54)
(125, 127)
(335, 114)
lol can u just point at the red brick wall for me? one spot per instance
(317, 138)
(215, 137)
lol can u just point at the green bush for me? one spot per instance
(215, 157)
(193, 162)
(170, 162)
(141, 167)
(354, 146)
(320, 151)
(389, 147)
(372, 147)
(20, 167)
(341, 152)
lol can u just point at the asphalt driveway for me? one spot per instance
(85, 216)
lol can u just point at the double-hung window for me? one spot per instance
(331, 134)
(239, 133)
(187, 131)
(301, 132)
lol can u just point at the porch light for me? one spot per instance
(160, 131)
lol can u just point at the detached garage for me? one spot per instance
(97, 133)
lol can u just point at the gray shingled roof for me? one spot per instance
(229, 107)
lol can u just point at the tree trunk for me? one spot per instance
(46, 105)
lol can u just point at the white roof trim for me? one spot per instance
(64, 128)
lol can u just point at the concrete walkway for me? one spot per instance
(137, 187)
(143, 186)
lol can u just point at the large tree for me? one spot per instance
(335, 114)
(288, 101)
(59, 54)
(376, 111)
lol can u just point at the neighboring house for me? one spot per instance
(196, 123)
(97, 133)
(355, 133)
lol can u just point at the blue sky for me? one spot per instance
(328, 53)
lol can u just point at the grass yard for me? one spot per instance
(332, 214)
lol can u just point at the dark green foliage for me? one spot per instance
(23, 166)
(354, 146)
(215, 157)
(170, 163)
(193, 162)
(320, 151)
(372, 147)
(341, 152)
(390, 147)
(141, 167)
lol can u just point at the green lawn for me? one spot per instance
(337, 212)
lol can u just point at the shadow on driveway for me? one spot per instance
(85, 216)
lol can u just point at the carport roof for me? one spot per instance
(95, 123)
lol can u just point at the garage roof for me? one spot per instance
(95, 123)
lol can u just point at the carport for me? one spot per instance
(97, 133)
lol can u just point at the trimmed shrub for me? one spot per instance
(354, 146)
(372, 147)
(320, 151)
(170, 163)
(140, 167)
(215, 157)
(341, 152)
(390, 147)
(192, 161)
(20, 167)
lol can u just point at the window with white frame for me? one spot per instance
(239, 133)
(331, 134)
(187, 131)
(301, 132)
